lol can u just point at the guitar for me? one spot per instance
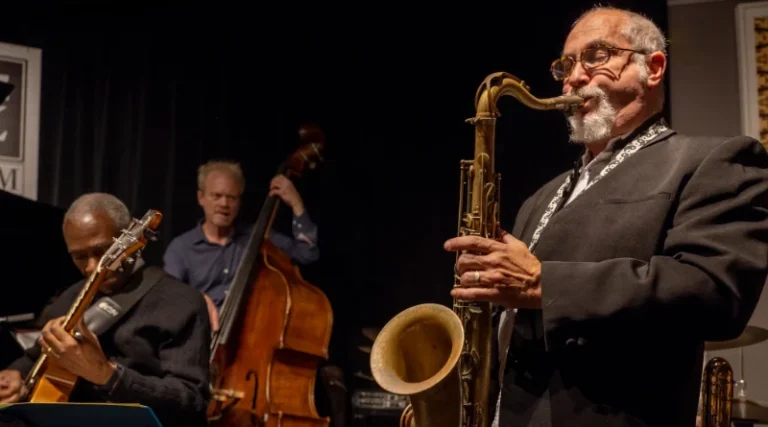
(48, 382)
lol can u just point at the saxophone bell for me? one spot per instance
(417, 354)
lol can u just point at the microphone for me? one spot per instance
(16, 318)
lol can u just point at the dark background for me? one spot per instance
(134, 98)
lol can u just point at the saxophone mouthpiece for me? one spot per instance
(571, 103)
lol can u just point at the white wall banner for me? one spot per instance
(752, 43)
(20, 119)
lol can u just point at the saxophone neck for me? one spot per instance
(501, 84)
(566, 103)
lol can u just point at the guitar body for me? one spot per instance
(54, 385)
(272, 360)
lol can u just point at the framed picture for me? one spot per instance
(20, 66)
(752, 40)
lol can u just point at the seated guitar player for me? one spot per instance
(156, 350)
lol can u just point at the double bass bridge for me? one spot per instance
(222, 395)
(233, 397)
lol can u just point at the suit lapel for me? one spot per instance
(642, 138)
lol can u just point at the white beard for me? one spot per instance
(595, 125)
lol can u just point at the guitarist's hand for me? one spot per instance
(85, 359)
(10, 386)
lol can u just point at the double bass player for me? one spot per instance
(207, 256)
(216, 258)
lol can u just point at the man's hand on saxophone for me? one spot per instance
(503, 272)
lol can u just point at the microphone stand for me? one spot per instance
(741, 393)
(17, 318)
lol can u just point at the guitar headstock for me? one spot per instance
(132, 240)
(309, 153)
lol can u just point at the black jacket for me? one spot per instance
(163, 343)
(668, 251)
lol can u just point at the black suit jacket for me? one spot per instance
(163, 343)
(667, 251)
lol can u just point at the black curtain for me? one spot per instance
(135, 97)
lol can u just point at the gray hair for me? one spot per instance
(100, 202)
(639, 30)
(644, 35)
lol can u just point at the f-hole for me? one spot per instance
(248, 376)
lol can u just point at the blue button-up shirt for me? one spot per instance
(210, 267)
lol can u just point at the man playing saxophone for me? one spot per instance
(617, 272)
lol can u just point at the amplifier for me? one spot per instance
(375, 408)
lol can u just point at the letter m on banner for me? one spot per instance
(9, 179)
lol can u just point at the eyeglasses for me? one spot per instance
(591, 57)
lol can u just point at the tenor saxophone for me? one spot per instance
(438, 357)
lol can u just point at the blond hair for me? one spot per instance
(226, 166)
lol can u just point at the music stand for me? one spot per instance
(80, 415)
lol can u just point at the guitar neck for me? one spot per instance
(73, 316)
(84, 299)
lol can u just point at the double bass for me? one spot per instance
(275, 327)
